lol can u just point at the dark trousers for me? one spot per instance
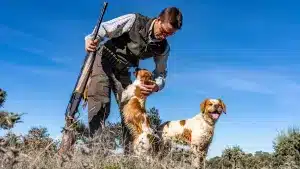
(104, 80)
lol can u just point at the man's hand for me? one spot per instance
(90, 45)
(146, 90)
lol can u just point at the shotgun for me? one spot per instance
(69, 136)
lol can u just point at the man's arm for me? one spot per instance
(114, 27)
(160, 72)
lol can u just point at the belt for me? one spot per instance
(117, 62)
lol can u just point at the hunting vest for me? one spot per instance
(134, 45)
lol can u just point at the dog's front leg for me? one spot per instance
(198, 156)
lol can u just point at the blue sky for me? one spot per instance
(245, 52)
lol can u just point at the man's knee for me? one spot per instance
(98, 112)
(98, 97)
(99, 109)
(98, 94)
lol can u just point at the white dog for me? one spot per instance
(134, 114)
(197, 131)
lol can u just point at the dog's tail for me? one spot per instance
(159, 128)
(159, 131)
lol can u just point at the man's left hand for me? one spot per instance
(146, 90)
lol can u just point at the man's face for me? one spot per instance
(163, 29)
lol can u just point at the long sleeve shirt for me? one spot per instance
(122, 24)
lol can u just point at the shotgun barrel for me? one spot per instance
(69, 136)
(83, 77)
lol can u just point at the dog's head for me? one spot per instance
(213, 108)
(143, 75)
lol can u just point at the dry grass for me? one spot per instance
(94, 154)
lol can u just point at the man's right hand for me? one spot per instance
(90, 45)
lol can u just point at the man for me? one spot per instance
(131, 37)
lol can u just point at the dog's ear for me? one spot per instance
(136, 71)
(203, 105)
(223, 105)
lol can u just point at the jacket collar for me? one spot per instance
(147, 32)
(150, 32)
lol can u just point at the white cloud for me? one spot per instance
(32, 44)
(282, 86)
(37, 70)
(8, 33)
(245, 85)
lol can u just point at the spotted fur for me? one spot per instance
(134, 114)
(197, 132)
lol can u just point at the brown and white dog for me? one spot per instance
(134, 114)
(197, 132)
